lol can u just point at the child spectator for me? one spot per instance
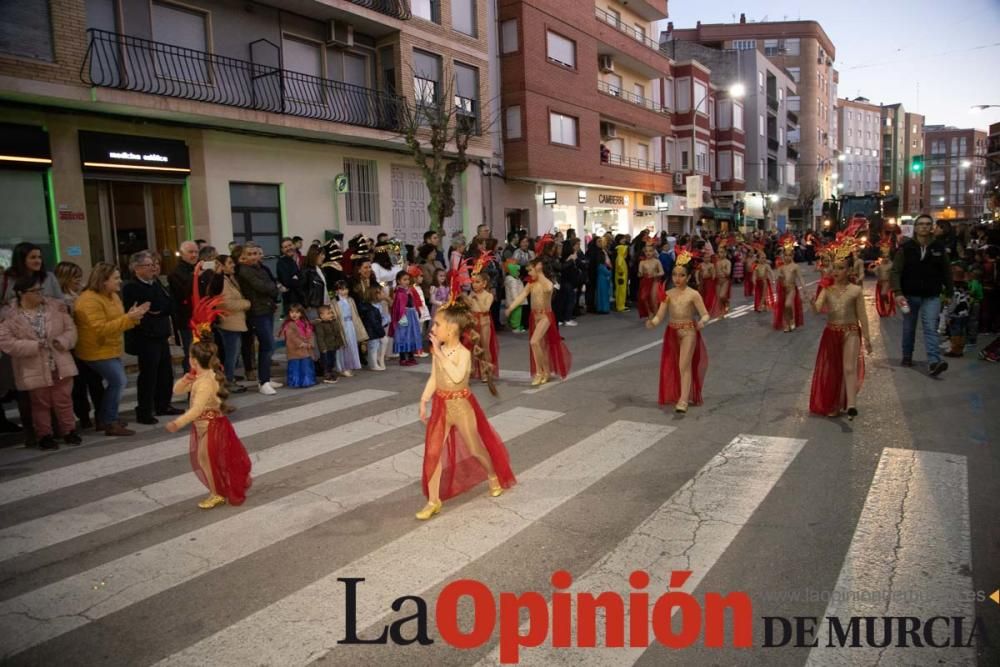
(422, 309)
(297, 333)
(405, 326)
(957, 312)
(371, 317)
(439, 291)
(330, 338)
(513, 288)
(352, 328)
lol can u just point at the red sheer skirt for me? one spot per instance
(484, 325)
(226, 455)
(748, 285)
(885, 302)
(648, 294)
(670, 370)
(560, 359)
(460, 470)
(829, 394)
(710, 296)
(762, 293)
(779, 308)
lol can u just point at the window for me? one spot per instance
(668, 94)
(512, 121)
(185, 28)
(426, 78)
(711, 165)
(463, 16)
(850, 133)
(781, 136)
(792, 46)
(914, 144)
(685, 160)
(737, 166)
(701, 157)
(701, 97)
(683, 95)
(639, 91)
(737, 116)
(724, 114)
(508, 36)
(614, 82)
(616, 147)
(429, 10)
(561, 50)
(744, 44)
(467, 93)
(256, 215)
(711, 113)
(642, 153)
(795, 73)
(914, 128)
(362, 193)
(781, 95)
(562, 129)
(640, 32)
(26, 29)
(760, 80)
(305, 58)
(725, 165)
(761, 124)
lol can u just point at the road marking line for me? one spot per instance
(307, 624)
(62, 606)
(690, 531)
(59, 478)
(910, 556)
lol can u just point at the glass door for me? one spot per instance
(131, 224)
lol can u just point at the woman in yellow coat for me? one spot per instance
(621, 277)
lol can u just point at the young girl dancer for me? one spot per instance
(763, 276)
(297, 332)
(217, 455)
(788, 305)
(708, 287)
(461, 449)
(405, 327)
(439, 291)
(885, 300)
(723, 275)
(684, 359)
(348, 358)
(840, 364)
(548, 352)
(749, 267)
(480, 301)
(650, 278)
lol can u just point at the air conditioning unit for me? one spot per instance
(678, 178)
(606, 63)
(608, 130)
(340, 34)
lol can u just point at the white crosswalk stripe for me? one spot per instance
(59, 478)
(910, 556)
(67, 604)
(690, 531)
(278, 634)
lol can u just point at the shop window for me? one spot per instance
(256, 215)
(429, 10)
(562, 129)
(561, 50)
(508, 36)
(463, 16)
(26, 217)
(183, 28)
(362, 191)
(26, 29)
(512, 118)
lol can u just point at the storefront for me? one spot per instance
(136, 193)
(26, 191)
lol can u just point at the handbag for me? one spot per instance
(403, 322)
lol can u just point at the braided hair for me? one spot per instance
(458, 313)
(207, 355)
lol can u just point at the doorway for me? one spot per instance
(124, 217)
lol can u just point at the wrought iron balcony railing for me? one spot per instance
(132, 63)
(399, 9)
(615, 160)
(632, 98)
(616, 23)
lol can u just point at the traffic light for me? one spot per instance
(917, 164)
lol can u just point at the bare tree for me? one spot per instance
(807, 196)
(437, 132)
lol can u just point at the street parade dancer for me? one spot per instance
(840, 365)
(650, 280)
(548, 351)
(724, 274)
(684, 359)
(480, 301)
(217, 456)
(749, 266)
(763, 277)
(461, 449)
(885, 300)
(788, 304)
(708, 287)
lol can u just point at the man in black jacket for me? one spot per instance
(150, 340)
(181, 280)
(259, 288)
(920, 273)
(289, 276)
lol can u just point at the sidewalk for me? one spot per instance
(132, 365)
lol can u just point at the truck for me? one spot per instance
(880, 210)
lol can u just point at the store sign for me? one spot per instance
(612, 199)
(694, 186)
(127, 153)
(24, 147)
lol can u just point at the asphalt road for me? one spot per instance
(105, 558)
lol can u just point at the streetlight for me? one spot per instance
(965, 164)
(737, 90)
(840, 186)
(842, 157)
(983, 182)
(940, 199)
(774, 199)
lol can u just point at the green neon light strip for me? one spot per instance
(50, 195)
(188, 217)
(336, 208)
(283, 210)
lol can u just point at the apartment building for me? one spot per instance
(859, 136)
(955, 172)
(912, 197)
(587, 98)
(136, 124)
(806, 53)
(992, 186)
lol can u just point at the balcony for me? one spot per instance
(772, 103)
(399, 9)
(614, 160)
(793, 117)
(772, 144)
(617, 24)
(131, 63)
(631, 98)
(793, 153)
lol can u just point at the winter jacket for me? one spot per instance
(298, 339)
(181, 281)
(234, 305)
(921, 276)
(329, 335)
(259, 288)
(19, 340)
(100, 323)
(290, 276)
(313, 288)
(372, 319)
(155, 324)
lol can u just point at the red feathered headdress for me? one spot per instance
(540, 244)
(203, 311)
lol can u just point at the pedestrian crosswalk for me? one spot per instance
(916, 513)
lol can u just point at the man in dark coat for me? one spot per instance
(181, 279)
(289, 275)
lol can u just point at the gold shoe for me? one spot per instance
(681, 408)
(495, 488)
(544, 378)
(535, 381)
(429, 510)
(212, 501)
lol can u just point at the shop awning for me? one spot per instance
(716, 213)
